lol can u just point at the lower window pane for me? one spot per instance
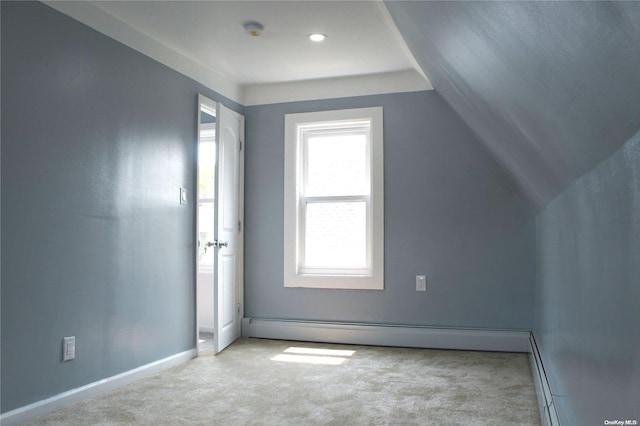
(336, 235)
(205, 228)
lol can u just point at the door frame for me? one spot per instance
(240, 251)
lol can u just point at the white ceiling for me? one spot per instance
(360, 40)
(206, 41)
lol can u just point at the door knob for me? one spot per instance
(217, 244)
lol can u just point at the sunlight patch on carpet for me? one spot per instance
(300, 355)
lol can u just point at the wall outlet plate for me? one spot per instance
(421, 283)
(68, 348)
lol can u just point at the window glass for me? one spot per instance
(336, 235)
(206, 170)
(336, 165)
(205, 228)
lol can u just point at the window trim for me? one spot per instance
(293, 157)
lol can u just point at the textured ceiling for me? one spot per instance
(551, 88)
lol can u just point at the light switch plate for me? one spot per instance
(421, 283)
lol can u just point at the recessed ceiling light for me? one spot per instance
(317, 37)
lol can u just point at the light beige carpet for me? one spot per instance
(266, 382)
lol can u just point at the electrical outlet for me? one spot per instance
(68, 348)
(421, 283)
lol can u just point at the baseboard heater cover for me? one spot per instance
(388, 335)
(546, 405)
(43, 407)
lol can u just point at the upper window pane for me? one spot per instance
(337, 164)
(206, 170)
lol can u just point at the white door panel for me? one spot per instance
(226, 317)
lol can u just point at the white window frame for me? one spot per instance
(372, 277)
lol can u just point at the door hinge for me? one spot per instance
(239, 226)
(240, 146)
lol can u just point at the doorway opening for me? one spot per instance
(206, 209)
(219, 222)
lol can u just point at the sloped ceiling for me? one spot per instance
(551, 88)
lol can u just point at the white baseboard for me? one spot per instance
(40, 408)
(546, 406)
(206, 329)
(388, 335)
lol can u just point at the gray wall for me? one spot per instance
(588, 298)
(451, 212)
(97, 139)
(551, 88)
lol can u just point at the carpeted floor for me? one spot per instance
(267, 382)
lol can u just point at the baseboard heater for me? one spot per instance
(388, 335)
(546, 405)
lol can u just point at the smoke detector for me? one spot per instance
(254, 29)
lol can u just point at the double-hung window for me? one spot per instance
(334, 202)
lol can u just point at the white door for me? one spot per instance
(227, 245)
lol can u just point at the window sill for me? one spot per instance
(338, 282)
